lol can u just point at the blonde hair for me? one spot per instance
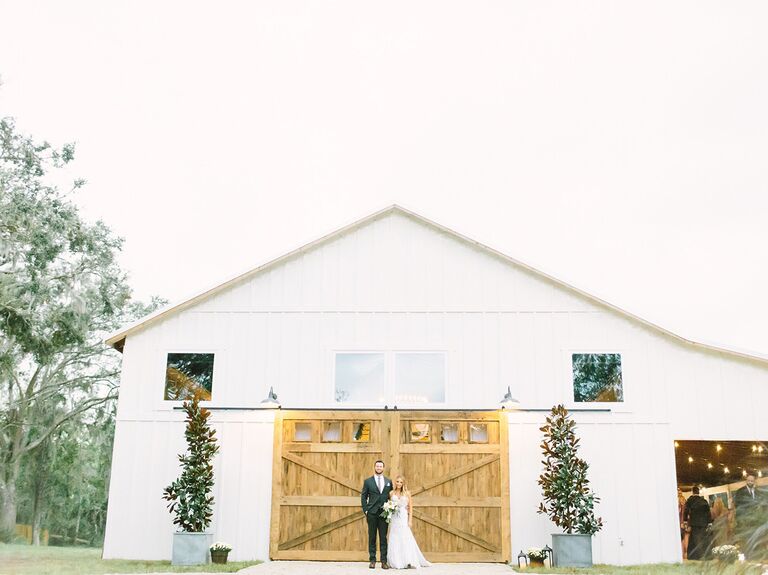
(405, 485)
(718, 508)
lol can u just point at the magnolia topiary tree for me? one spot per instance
(568, 500)
(190, 495)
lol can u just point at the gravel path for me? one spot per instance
(328, 568)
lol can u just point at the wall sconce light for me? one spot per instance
(270, 402)
(509, 402)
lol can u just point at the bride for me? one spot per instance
(402, 548)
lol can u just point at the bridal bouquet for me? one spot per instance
(388, 510)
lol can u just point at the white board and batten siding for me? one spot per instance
(396, 283)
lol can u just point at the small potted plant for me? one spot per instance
(219, 552)
(726, 554)
(536, 556)
(189, 496)
(568, 499)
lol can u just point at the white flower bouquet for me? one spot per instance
(220, 546)
(726, 553)
(536, 554)
(389, 510)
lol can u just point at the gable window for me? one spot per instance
(597, 377)
(188, 375)
(390, 378)
(360, 378)
(419, 378)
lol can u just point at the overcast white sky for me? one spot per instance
(620, 146)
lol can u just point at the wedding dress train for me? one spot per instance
(402, 549)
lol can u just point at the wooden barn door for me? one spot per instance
(457, 468)
(456, 464)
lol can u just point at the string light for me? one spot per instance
(759, 448)
(726, 470)
(677, 445)
(690, 459)
(744, 472)
(719, 448)
(754, 448)
(709, 466)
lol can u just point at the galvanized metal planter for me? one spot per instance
(572, 550)
(191, 548)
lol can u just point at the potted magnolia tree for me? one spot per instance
(189, 497)
(567, 498)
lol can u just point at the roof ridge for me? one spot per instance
(116, 338)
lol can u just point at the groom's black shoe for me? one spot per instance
(372, 565)
(384, 565)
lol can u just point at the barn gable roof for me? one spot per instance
(117, 339)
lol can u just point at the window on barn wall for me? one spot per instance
(419, 378)
(360, 378)
(597, 377)
(188, 375)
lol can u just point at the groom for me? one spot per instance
(375, 494)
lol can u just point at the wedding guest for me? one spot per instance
(720, 515)
(698, 516)
(680, 512)
(750, 515)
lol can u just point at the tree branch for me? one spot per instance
(83, 407)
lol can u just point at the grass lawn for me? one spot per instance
(28, 560)
(689, 568)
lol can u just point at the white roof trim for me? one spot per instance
(115, 338)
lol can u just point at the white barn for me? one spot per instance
(398, 310)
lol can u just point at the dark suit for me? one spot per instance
(372, 501)
(750, 512)
(698, 515)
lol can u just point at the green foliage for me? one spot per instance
(190, 495)
(61, 290)
(597, 377)
(567, 498)
(58, 274)
(65, 483)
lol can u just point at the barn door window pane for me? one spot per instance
(360, 378)
(188, 375)
(597, 377)
(478, 433)
(361, 432)
(419, 378)
(420, 433)
(302, 431)
(449, 432)
(332, 431)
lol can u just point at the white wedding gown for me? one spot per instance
(402, 550)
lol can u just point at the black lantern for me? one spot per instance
(522, 557)
(550, 554)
